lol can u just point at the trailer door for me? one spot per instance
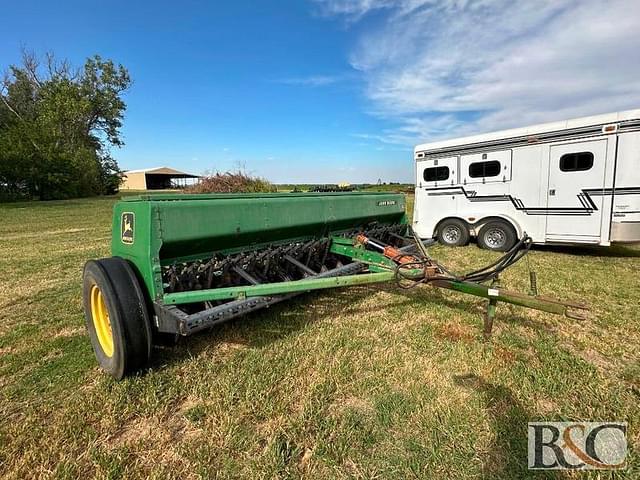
(436, 193)
(575, 194)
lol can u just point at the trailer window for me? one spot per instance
(436, 174)
(576, 162)
(484, 169)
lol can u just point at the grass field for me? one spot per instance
(367, 382)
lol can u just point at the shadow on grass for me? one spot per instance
(259, 329)
(507, 456)
(614, 251)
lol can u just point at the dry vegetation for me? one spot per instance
(367, 382)
(231, 182)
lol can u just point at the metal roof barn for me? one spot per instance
(160, 178)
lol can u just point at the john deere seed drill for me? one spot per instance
(185, 263)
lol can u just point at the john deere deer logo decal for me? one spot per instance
(126, 228)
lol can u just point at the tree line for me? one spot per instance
(57, 125)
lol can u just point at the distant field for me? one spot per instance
(394, 187)
(367, 382)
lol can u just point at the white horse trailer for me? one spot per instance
(570, 182)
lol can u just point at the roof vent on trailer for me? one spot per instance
(611, 128)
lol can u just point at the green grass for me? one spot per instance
(368, 382)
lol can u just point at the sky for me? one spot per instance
(326, 91)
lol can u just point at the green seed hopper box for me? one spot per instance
(156, 230)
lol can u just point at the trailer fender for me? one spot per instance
(450, 217)
(477, 224)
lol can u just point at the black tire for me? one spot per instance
(497, 235)
(453, 232)
(111, 284)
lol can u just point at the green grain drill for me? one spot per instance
(184, 263)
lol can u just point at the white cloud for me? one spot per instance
(353, 9)
(453, 67)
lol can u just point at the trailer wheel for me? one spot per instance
(453, 232)
(497, 235)
(116, 316)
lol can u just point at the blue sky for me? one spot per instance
(337, 90)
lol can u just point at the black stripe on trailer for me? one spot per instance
(584, 197)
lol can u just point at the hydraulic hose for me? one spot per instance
(484, 274)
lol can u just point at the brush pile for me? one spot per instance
(231, 182)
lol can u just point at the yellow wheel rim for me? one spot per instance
(101, 322)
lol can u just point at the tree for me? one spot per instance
(57, 126)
